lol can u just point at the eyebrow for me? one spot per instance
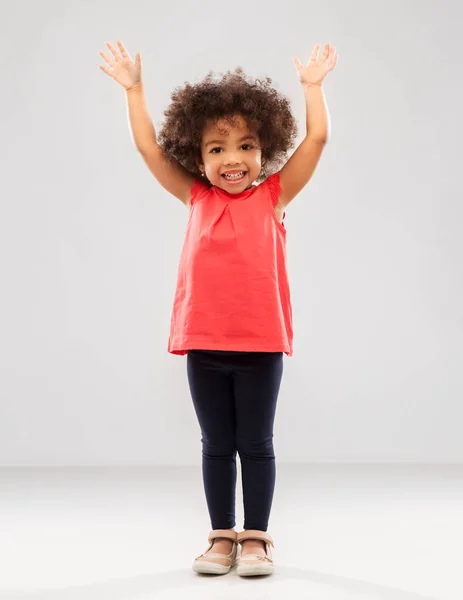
(245, 137)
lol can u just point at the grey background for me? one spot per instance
(90, 242)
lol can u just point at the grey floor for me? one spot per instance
(371, 531)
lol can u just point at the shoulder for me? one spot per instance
(272, 184)
(198, 190)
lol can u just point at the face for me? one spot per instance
(232, 149)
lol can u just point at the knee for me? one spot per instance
(218, 448)
(259, 448)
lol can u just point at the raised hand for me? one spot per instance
(317, 68)
(123, 69)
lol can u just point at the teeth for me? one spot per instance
(234, 176)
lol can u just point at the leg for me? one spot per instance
(256, 386)
(211, 390)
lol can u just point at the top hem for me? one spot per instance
(202, 344)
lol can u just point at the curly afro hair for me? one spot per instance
(265, 110)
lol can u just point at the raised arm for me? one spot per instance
(168, 172)
(300, 167)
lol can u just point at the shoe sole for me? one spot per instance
(250, 570)
(210, 568)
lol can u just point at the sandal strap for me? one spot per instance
(217, 555)
(254, 534)
(222, 533)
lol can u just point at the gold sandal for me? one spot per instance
(216, 563)
(254, 564)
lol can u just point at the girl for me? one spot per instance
(232, 312)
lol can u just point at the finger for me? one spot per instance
(326, 51)
(113, 50)
(123, 50)
(106, 70)
(297, 62)
(314, 55)
(106, 58)
(333, 55)
(331, 63)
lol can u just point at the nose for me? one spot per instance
(231, 159)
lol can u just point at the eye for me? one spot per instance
(213, 151)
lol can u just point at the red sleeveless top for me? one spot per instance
(232, 285)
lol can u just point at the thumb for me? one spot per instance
(138, 59)
(297, 62)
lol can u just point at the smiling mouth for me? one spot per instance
(235, 177)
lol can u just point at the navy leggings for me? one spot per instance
(235, 396)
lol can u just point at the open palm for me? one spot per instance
(317, 68)
(123, 69)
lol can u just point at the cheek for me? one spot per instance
(212, 159)
(258, 159)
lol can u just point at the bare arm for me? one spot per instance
(300, 167)
(169, 173)
(128, 73)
